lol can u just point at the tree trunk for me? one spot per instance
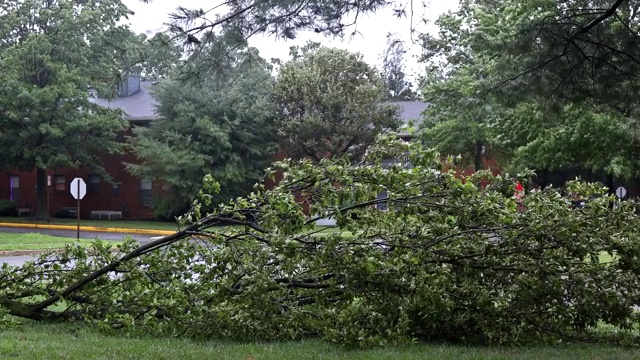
(41, 194)
(478, 165)
(633, 188)
(544, 180)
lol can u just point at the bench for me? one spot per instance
(107, 214)
(23, 211)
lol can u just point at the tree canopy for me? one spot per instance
(222, 125)
(330, 102)
(283, 19)
(152, 58)
(398, 87)
(50, 54)
(546, 84)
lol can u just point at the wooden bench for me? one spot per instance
(107, 214)
(23, 211)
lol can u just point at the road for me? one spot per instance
(18, 260)
(15, 260)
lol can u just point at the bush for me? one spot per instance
(8, 207)
(451, 261)
(64, 213)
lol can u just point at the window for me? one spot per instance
(382, 206)
(14, 187)
(145, 191)
(93, 186)
(59, 183)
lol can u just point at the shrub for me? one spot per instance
(451, 260)
(64, 213)
(8, 207)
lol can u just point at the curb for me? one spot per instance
(89, 228)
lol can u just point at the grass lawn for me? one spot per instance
(31, 241)
(128, 224)
(72, 341)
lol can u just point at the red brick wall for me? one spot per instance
(126, 198)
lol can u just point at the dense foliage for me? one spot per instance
(542, 84)
(222, 125)
(50, 54)
(330, 103)
(8, 207)
(152, 58)
(450, 260)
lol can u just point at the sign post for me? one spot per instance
(621, 193)
(48, 187)
(78, 189)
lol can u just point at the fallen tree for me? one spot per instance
(449, 260)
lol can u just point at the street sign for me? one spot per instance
(621, 192)
(48, 180)
(78, 188)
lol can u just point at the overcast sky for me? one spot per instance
(371, 41)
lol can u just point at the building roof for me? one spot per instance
(410, 110)
(140, 106)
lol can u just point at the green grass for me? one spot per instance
(53, 341)
(127, 224)
(140, 224)
(31, 241)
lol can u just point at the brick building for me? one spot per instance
(129, 196)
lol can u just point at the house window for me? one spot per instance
(93, 187)
(145, 191)
(14, 187)
(59, 183)
(382, 206)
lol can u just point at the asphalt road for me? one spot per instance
(19, 260)
(15, 260)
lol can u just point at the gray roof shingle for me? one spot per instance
(140, 106)
(410, 110)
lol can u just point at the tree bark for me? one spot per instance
(41, 194)
(478, 165)
(544, 181)
(633, 188)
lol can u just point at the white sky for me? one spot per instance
(371, 41)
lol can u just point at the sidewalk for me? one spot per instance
(88, 228)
